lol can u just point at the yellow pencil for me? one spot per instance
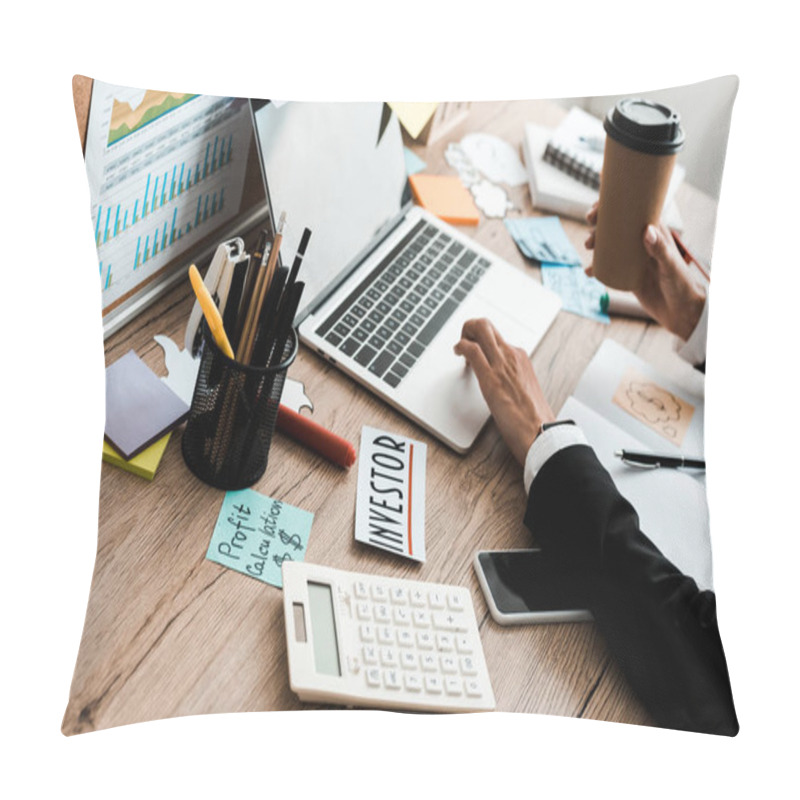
(210, 311)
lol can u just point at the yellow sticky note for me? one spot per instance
(145, 464)
(445, 196)
(413, 116)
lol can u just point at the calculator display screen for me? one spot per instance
(323, 629)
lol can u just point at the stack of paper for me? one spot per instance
(141, 411)
(555, 190)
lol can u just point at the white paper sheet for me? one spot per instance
(672, 505)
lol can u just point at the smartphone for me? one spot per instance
(524, 586)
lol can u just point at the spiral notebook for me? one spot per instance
(576, 147)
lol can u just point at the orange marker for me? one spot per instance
(317, 438)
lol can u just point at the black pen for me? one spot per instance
(653, 460)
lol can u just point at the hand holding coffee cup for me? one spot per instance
(669, 290)
(643, 138)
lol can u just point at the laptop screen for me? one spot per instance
(331, 168)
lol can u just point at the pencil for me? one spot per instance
(253, 268)
(262, 287)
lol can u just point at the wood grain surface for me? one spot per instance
(168, 633)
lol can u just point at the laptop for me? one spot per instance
(388, 285)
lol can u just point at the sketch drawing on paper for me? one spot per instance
(661, 410)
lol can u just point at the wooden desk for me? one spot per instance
(169, 633)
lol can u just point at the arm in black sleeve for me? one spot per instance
(660, 628)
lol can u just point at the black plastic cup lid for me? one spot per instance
(646, 126)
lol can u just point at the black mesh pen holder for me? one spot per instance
(234, 409)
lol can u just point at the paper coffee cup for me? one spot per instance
(643, 138)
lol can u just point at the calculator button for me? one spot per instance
(468, 666)
(353, 665)
(448, 621)
(455, 601)
(433, 684)
(402, 616)
(436, 599)
(418, 598)
(473, 688)
(367, 632)
(385, 634)
(370, 653)
(364, 610)
(399, 595)
(379, 592)
(463, 644)
(413, 681)
(405, 638)
(444, 642)
(425, 640)
(360, 590)
(388, 657)
(422, 618)
(382, 613)
(409, 659)
(428, 662)
(449, 665)
(391, 679)
(374, 676)
(453, 686)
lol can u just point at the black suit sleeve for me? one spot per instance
(660, 628)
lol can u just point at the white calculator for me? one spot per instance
(365, 640)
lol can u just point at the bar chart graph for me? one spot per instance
(160, 190)
(162, 178)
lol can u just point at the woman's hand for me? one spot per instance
(508, 383)
(669, 292)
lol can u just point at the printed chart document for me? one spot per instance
(165, 170)
(390, 504)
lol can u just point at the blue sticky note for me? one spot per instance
(579, 293)
(543, 239)
(414, 163)
(255, 534)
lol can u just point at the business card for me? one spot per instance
(390, 500)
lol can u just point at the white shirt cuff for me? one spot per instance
(693, 349)
(546, 445)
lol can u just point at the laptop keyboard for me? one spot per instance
(390, 318)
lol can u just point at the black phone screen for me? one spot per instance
(527, 581)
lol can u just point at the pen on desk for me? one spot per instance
(317, 438)
(210, 311)
(653, 460)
